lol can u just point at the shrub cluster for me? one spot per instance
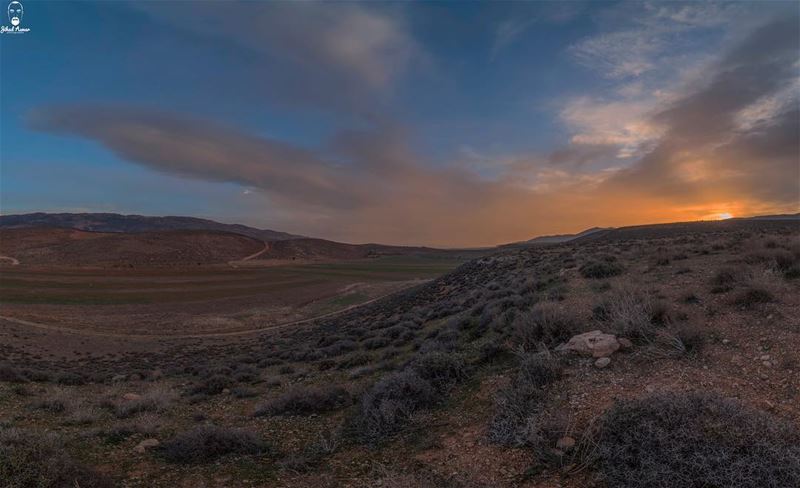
(546, 323)
(29, 459)
(208, 442)
(696, 440)
(305, 401)
(389, 404)
(600, 269)
(518, 406)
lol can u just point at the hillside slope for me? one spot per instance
(72, 247)
(111, 222)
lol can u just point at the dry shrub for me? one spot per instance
(31, 459)
(209, 442)
(518, 407)
(696, 440)
(546, 323)
(305, 401)
(158, 399)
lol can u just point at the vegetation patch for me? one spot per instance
(209, 442)
(305, 401)
(696, 440)
(30, 459)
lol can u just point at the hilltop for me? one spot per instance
(112, 222)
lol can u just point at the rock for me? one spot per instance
(146, 444)
(624, 343)
(226, 391)
(129, 397)
(765, 357)
(565, 443)
(594, 343)
(726, 341)
(602, 362)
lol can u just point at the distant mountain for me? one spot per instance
(655, 231)
(773, 217)
(555, 239)
(321, 249)
(110, 222)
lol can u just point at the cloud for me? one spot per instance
(372, 185)
(655, 38)
(338, 56)
(622, 123)
(706, 150)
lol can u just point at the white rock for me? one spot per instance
(146, 444)
(565, 443)
(595, 343)
(602, 362)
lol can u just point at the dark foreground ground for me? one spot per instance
(455, 382)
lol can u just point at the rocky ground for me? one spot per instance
(653, 360)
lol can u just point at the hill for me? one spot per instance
(622, 363)
(111, 222)
(323, 250)
(72, 247)
(676, 229)
(558, 238)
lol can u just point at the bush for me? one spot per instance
(546, 323)
(213, 385)
(752, 296)
(57, 401)
(156, 400)
(305, 401)
(375, 342)
(440, 369)
(696, 440)
(630, 314)
(388, 405)
(725, 279)
(30, 459)
(518, 406)
(600, 269)
(206, 443)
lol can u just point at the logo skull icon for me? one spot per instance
(15, 13)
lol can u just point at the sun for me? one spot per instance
(723, 216)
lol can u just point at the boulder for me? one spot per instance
(565, 443)
(595, 343)
(602, 362)
(146, 444)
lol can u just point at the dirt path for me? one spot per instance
(15, 261)
(89, 333)
(234, 264)
(259, 253)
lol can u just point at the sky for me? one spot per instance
(439, 123)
